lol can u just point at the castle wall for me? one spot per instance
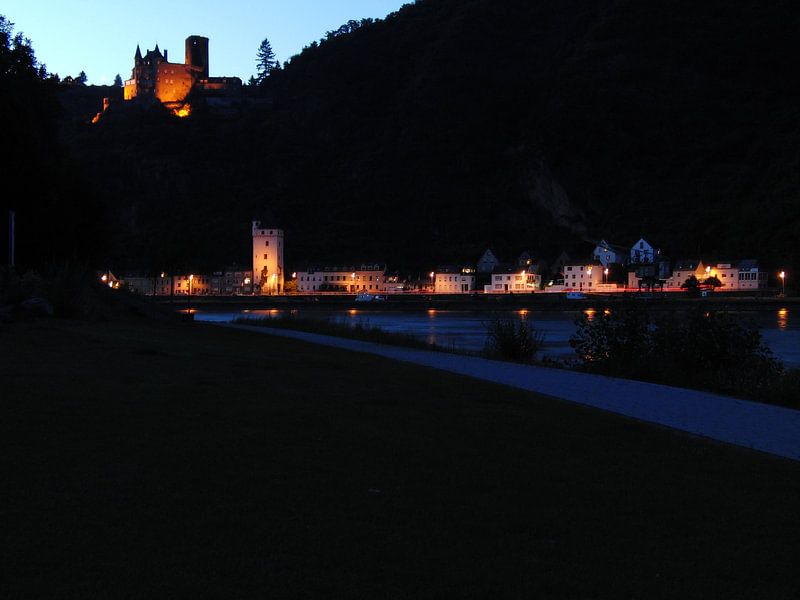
(174, 82)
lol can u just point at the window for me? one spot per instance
(267, 242)
(265, 257)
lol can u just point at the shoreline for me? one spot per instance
(476, 303)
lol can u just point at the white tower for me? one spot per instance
(267, 259)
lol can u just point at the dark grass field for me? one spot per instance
(145, 460)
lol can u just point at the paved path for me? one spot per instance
(762, 427)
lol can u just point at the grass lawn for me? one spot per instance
(144, 459)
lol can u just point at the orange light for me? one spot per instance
(782, 274)
(431, 312)
(352, 312)
(104, 278)
(183, 111)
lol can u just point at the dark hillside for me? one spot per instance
(453, 125)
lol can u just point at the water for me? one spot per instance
(466, 330)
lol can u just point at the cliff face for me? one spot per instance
(520, 124)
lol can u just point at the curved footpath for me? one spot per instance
(763, 427)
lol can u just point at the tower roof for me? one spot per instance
(138, 55)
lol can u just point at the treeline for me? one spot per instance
(451, 126)
(58, 217)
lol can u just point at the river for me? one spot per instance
(466, 330)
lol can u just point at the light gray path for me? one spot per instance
(762, 427)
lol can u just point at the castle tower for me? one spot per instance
(197, 54)
(267, 258)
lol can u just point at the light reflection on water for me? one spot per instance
(465, 330)
(783, 319)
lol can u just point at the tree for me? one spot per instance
(81, 78)
(265, 60)
(118, 81)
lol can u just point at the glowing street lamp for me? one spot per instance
(605, 274)
(433, 287)
(189, 297)
(782, 275)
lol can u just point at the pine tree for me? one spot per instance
(265, 60)
(118, 81)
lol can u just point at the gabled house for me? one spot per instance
(643, 252)
(607, 254)
(487, 262)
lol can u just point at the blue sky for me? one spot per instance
(100, 37)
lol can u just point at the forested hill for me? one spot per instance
(453, 125)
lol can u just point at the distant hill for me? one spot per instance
(453, 125)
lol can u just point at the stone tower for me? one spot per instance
(197, 54)
(267, 258)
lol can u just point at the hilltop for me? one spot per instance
(450, 126)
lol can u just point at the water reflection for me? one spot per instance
(783, 319)
(466, 330)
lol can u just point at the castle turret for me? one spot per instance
(137, 59)
(197, 54)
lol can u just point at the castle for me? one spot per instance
(155, 78)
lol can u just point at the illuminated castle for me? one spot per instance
(155, 78)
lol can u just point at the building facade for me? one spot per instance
(511, 280)
(354, 279)
(584, 277)
(454, 280)
(267, 259)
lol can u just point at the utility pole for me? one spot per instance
(11, 244)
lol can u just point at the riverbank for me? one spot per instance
(168, 459)
(477, 302)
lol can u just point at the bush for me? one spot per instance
(512, 339)
(701, 349)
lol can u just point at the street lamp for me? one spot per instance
(189, 297)
(605, 274)
(433, 286)
(782, 275)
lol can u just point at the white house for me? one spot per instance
(454, 280)
(267, 258)
(342, 279)
(607, 254)
(684, 269)
(642, 252)
(584, 277)
(507, 279)
(750, 277)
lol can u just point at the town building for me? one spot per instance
(510, 279)
(267, 259)
(487, 262)
(607, 254)
(585, 277)
(370, 278)
(454, 280)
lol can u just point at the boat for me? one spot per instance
(365, 297)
